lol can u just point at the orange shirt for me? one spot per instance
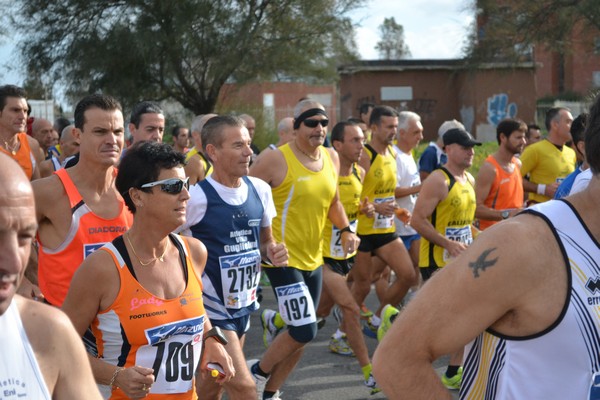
(506, 191)
(139, 328)
(23, 156)
(88, 232)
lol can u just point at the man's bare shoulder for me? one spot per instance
(48, 191)
(486, 171)
(39, 319)
(269, 166)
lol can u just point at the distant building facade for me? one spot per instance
(439, 90)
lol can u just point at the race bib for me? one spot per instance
(295, 304)
(382, 221)
(240, 274)
(462, 235)
(173, 352)
(335, 245)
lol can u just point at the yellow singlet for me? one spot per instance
(349, 188)
(452, 218)
(302, 202)
(379, 186)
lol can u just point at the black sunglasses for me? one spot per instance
(312, 123)
(171, 185)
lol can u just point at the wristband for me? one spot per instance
(114, 376)
(346, 229)
(541, 189)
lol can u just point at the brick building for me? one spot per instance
(439, 90)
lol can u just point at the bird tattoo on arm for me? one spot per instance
(481, 264)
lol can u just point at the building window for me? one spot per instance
(597, 45)
(391, 93)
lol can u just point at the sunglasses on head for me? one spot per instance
(312, 123)
(171, 185)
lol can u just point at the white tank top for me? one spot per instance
(563, 361)
(20, 374)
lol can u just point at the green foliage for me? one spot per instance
(183, 50)
(525, 24)
(392, 46)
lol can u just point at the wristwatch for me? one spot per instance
(216, 334)
(505, 214)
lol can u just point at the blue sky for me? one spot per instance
(432, 28)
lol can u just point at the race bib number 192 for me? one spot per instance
(295, 304)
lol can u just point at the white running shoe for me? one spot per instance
(259, 380)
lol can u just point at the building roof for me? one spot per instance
(423, 64)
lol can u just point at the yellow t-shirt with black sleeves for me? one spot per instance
(546, 164)
(379, 186)
(452, 218)
(349, 189)
(203, 160)
(302, 202)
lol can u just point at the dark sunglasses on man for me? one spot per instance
(171, 185)
(312, 123)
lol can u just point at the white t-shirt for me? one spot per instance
(196, 207)
(581, 181)
(20, 374)
(407, 176)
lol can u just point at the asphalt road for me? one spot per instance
(321, 374)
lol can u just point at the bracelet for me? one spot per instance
(114, 376)
(541, 189)
(346, 229)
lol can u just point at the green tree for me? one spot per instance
(509, 30)
(183, 50)
(392, 46)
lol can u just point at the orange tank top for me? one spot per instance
(506, 191)
(23, 156)
(87, 233)
(139, 328)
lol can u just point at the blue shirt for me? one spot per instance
(565, 187)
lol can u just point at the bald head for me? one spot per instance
(18, 225)
(285, 130)
(43, 131)
(69, 144)
(250, 124)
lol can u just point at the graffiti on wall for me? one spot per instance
(467, 116)
(499, 108)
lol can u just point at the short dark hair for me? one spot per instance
(529, 127)
(11, 91)
(592, 137)
(61, 123)
(142, 163)
(101, 101)
(507, 126)
(212, 131)
(364, 108)
(145, 107)
(381, 111)
(337, 133)
(552, 114)
(175, 131)
(578, 128)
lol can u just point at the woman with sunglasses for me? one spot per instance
(142, 293)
